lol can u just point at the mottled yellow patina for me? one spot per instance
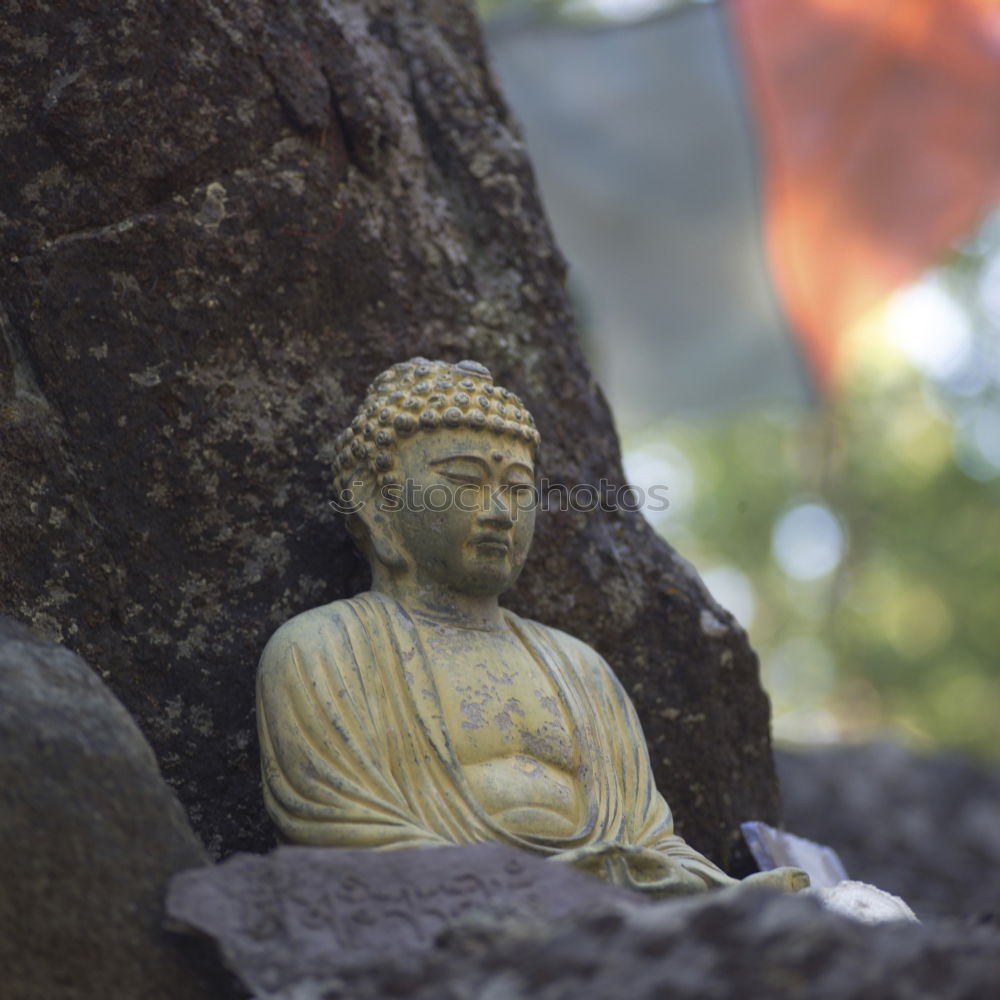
(423, 714)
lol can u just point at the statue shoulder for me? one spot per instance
(318, 633)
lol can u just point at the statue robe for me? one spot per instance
(355, 752)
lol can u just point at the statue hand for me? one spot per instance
(593, 858)
(658, 875)
(783, 879)
(648, 871)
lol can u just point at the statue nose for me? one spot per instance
(496, 511)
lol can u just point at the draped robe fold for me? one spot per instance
(355, 751)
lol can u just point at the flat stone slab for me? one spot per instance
(298, 914)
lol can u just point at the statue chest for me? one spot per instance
(508, 727)
(497, 700)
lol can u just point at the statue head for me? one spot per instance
(436, 477)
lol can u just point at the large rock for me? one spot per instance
(89, 837)
(219, 222)
(728, 945)
(926, 827)
(448, 924)
(289, 922)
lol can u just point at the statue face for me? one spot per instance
(465, 513)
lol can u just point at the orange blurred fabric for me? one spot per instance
(879, 133)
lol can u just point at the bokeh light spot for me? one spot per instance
(989, 289)
(930, 328)
(664, 476)
(808, 541)
(977, 443)
(618, 10)
(801, 671)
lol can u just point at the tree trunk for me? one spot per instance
(220, 221)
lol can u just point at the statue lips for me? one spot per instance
(492, 543)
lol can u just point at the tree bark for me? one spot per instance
(220, 221)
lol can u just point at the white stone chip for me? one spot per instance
(865, 902)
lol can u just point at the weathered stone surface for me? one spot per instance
(219, 221)
(924, 827)
(89, 836)
(289, 922)
(728, 945)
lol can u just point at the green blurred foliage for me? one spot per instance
(902, 638)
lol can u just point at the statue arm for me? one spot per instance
(649, 823)
(657, 834)
(326, 780)
(687, 870)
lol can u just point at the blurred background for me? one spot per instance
(781, 223)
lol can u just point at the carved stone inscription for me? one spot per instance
(299, 913)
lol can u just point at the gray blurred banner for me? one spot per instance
(644, 154)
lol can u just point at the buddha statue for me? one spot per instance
(423, 714)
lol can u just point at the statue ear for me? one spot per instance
(384, 540)
(374, 530)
